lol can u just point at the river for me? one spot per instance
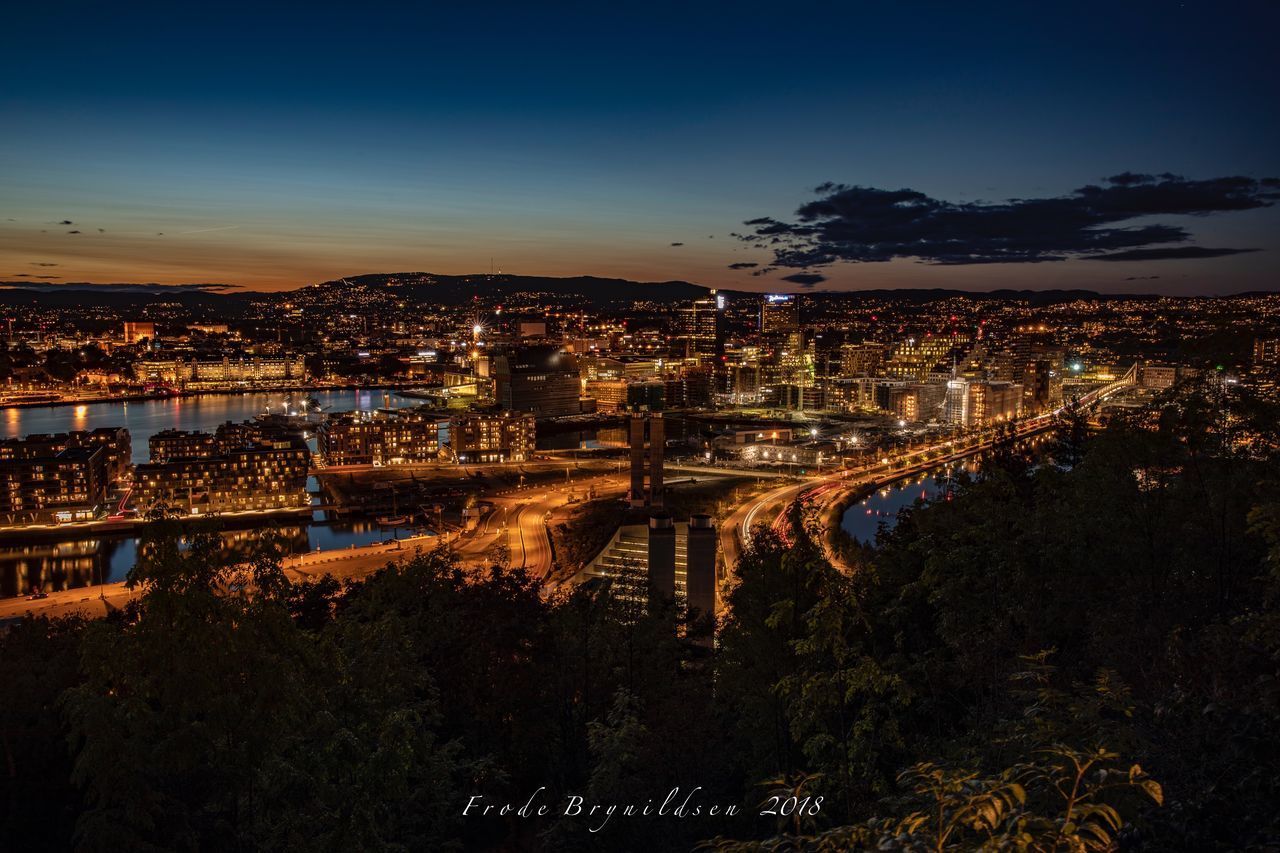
(864, 519)
(84, 562)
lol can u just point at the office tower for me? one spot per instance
(540, 379)
(662, 560)
(701, 327)
(779, 314)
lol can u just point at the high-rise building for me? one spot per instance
(972, 403)
(860, 359)
(543, 380)
(914, 359)
(779, 314)
(700, 327)
(647, 457)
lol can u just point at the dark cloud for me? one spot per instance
(864, 224)
(43, 264)
(73, 232)
(677, 244)
(743, 265)
(66, 222)
(1170, 253)
(102, 231)
(805, 279)
(1141, 277)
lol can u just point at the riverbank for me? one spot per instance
(124, 526)
(398, 387)
(95, 602)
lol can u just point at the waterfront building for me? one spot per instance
(972, 403)
(268, 474)
(40, 483)
(610, 394)
(543, 380)
(493, 436)
(359, 439)
(195, 374)
(115, 443)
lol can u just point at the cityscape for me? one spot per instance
(915, 519)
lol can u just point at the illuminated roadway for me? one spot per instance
(736, 530)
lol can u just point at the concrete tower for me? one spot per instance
(662, 559)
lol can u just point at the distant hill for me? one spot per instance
(1034, 297)
(231, 301)
(457, 289)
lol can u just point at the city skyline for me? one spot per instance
(152, 145)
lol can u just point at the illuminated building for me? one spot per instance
(263, 475)
(860, 359)
(543, 380)
(40, 483)
(610, 394)
(136, 331)
(915, 358)
(975, 403)
(356, 439)
(115, 443)
(779, 314)
(700, 326)
(242, 370)
(492, 437)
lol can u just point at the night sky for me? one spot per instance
(275, 145)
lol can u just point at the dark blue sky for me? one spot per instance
(278, 144)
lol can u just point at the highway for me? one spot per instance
(771, 507)
(520, 520)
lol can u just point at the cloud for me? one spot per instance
(73, 232)
(1169, 253)
(805, 279)
(677, 244)
(43, 264)
(743, 265)
(866, 225)
(66, 222)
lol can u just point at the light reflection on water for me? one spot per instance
(863, 519)
(84, 562)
